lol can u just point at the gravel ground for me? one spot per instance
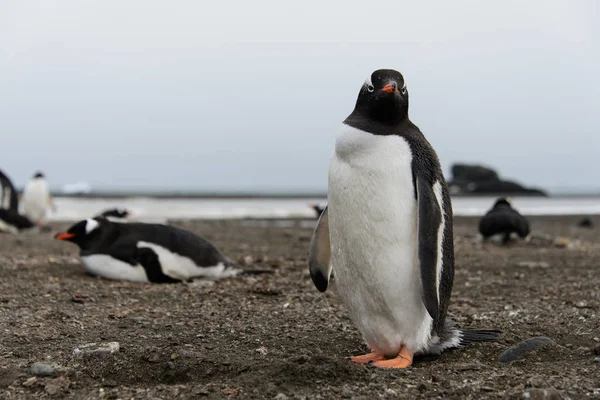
(277, 337)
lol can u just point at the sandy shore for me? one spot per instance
(278, 337)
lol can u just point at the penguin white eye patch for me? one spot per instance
(369, 84)
(90, 225)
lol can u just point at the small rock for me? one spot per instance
(597, 360)
(200, 391)
(170, 365)
(468, 367)
(174, 356)
(533, 264)
(96, 349)
(562, 243)
(582, 304)
(52, 389)
(281, 396)
(247, 260)
(542, 394)
(30, 382)
(41, 369)
(347, 393)
(262, 350)
(56, 385)
(520, 350)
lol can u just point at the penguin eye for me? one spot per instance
(370, 88)
(403, 91)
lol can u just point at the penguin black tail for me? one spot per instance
(468, 336)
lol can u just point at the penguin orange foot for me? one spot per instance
(367, 358)
(403, 359)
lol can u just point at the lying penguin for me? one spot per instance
(142, 252)
(10, 219)
(503, 220)
(387, 231)
(13, 222)
(115, 214)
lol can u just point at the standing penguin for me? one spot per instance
(387, 231)
(36, 199)
(142, 252)
(503, 220)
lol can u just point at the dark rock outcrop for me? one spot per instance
(480, 180)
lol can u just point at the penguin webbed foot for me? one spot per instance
(403, 360)
(367, 358)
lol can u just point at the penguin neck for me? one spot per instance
(109, 235)
(361, 121)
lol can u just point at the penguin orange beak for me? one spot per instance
(64, 236)
(391, 87)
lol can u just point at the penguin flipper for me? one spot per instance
(429, 222)
(319, 253)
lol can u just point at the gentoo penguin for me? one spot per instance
(36, 199)
(503, 220)
(142, 252)
(586, 222)
(10, 219)
(387, 231)
(115, 214)
(13, 222)
(9, 198)
(318, 209)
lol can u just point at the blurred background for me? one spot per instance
(195, 99)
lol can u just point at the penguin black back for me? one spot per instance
(503, 219)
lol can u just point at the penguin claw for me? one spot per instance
(367, 358)
(403, 360)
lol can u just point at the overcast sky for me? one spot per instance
(249, 95)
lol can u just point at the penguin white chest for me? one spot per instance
(374, 245)
(110, 268)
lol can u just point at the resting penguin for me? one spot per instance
(387, 231)
(142, 252)
(503, 220)
(115, 214)
(9, 198)
(10, 219)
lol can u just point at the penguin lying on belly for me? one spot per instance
(142, 252)
(387, 231)
(10, 219)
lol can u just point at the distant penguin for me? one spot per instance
(503, 220)
(13, 222)
(10, 219)
(9, 199)
(387, 231)
(318, 209)
(115, 214)
(142, 252)
(586, 222)
(36, 199)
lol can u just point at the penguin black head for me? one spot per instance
(383, 97)
(85, 232)
(38, 174)
(503, 202)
